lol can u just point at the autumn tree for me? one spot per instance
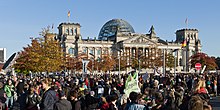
(123, 62)
(204, 59)
(217, 61)
(134, 63)
(78, 61)
(107, 63)
(41, 56)
(29, 58)
(70, 63)
(158, 60)
(52, 56)
(169, 60)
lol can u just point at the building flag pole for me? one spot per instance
(68, 16)
(186, 22)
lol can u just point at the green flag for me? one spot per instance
(131, 84)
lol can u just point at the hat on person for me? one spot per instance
(61, 94)
(58, 84)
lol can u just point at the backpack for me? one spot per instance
(48, 100)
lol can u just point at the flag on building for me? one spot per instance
(68, 14)
(184, 43)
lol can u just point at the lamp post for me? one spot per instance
(164, 63)
(92, 61)
(119, 65)
(139, 67)
(119, 58)
(175, 50)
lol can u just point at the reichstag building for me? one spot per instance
(118, 37)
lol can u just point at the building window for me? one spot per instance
(92, 51)
(105, 51)
(85, 50)
(180, 62)
(67, 31)
(98, 52)
(71, 51)
(71, 32)
(75, 31)
(194, 36)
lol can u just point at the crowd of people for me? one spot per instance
(106, 92)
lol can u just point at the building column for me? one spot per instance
(136, 52)
(130, 55)
(144, 55)
(149, 56)
(101, 52)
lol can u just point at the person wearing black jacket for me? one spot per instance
(63, 103)
(75, 102)
(91, 101)
(32, 99)
(2, 96)
(49, 97)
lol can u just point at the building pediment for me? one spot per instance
(140, 40)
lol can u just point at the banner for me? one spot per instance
(131, 84)
(84, 67)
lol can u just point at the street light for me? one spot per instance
(92, 61)
(139, 67)
(119, 50)
(175, 50)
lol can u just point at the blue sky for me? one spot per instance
(22, 19)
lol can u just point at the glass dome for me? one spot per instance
(109, 28)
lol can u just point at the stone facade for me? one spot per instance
(129, 42)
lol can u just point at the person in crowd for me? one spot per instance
(170, 103)
(112, 103)
(63, 103)
(159, 101)
(75, 102)
(103, 104)
(195, 103)
(91, 101)
(107, 89)
(50, 96)
(215, 87)
(2, 96)
(208, 84)
(167, 92)
(22, 97)
(20, 86)
(179, 92)
(201, 90)
(9, 89)
(32, 99)
(133, 105)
